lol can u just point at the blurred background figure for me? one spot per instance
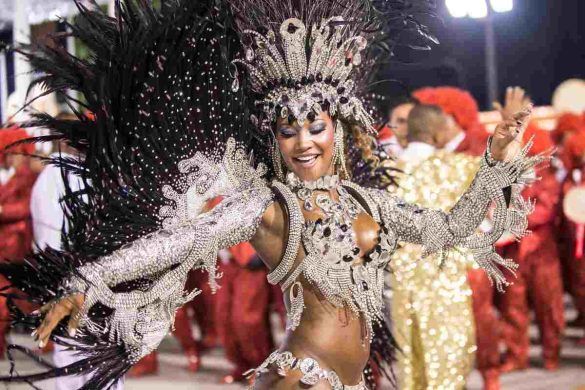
(538, 283)
(243, 311)
(572, 225)
(431, 299)
(465, 134)
(392, 138)
(16, 181)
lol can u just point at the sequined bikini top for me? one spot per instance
(331, 263)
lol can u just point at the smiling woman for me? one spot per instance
(163, 142)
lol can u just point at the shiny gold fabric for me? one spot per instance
(431, 298)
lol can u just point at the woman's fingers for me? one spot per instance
(523, 117)
(509, 95)
(73, 323)
(525, 112)
(56, 313)
(43, 309)
(505, 128)
(511, 127)
(516, 96)
(49, 323)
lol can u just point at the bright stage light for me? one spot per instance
(502, 5)
(457, 8)
(477, 9)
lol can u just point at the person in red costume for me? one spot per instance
(203, 310)
(148, 365)
(245, 321)
(567, 124)
(572, 234)
(539, 275)
(202, 313)
(466, 135)
(16, 182)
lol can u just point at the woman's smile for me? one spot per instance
(307, 160)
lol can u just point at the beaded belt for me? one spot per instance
(312, 372)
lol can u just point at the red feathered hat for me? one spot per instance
(568, 123)
(453, 101)
(12, 135)
(575, 147)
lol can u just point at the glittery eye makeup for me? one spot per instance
(287, 131)
(317, 127)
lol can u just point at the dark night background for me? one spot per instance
(539, 45)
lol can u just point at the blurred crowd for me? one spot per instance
(435, 134)
(432, 128)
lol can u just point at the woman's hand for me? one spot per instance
(507, 138)
(514, 101)
(54, 312)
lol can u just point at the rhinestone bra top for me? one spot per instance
(331, 263)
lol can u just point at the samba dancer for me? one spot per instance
(164, 142)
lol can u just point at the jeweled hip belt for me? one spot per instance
(309, 367)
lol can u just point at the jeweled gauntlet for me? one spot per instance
(498, 183)
(154, 268)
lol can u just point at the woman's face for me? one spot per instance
(307, 150)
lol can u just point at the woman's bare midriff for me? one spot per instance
(335, 337)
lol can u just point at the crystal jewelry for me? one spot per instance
(277, 160)
(339, 149)
(331, 251)
(309, 367)
(295, 218)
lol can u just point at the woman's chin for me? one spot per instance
(309, 174)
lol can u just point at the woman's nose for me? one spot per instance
(304, 139)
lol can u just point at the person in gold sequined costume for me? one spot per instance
(431, 299)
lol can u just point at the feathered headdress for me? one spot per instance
(307, 56)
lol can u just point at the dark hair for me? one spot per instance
(398, 101)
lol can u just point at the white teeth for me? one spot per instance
(306, 158)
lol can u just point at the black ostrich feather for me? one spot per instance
(154, 90)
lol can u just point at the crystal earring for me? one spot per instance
(339, 149)
(277, 161)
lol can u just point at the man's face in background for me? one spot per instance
(398, 122)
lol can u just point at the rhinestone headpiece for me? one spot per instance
(309, 72)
